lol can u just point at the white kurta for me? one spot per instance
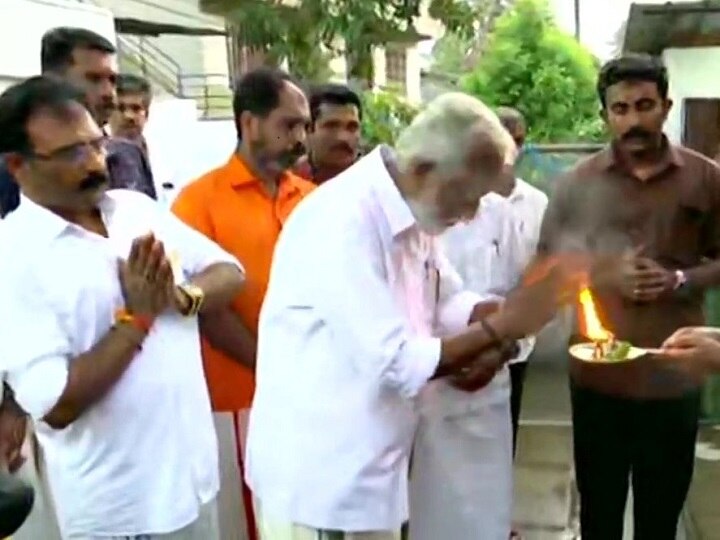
(345, 345)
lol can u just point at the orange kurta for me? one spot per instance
(230, 206)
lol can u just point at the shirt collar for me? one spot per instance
(42, 223)
(518, 192)
(609, 158)
(240, 175)
(396, 210)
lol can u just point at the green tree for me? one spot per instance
(385, 115)
(455, 51)
(306, 33)
(531, 64)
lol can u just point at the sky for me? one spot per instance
(599, 21)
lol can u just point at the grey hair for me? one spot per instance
(443, 131)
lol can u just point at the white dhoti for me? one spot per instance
(231, 431)
(42, 522)
(461, 474)
(273, 529)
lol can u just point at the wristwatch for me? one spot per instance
(680, 279)
(196, 297)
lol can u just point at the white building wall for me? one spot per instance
(195, 55)
(693, 73)
(23, 23)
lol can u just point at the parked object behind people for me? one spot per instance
(16, 502)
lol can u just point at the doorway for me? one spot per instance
(701, 126)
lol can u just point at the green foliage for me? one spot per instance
(307, 33)
(450, 54)
(385, 115)
(532, 65)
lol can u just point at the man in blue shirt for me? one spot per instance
(88, 60)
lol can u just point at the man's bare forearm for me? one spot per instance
(704, 276)
(92, 374)
(225, 331)
(220, 283)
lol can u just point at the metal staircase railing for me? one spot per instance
(151, 62)
(211, 91)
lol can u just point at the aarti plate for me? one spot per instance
(586, 353)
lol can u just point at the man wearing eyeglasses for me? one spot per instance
(99, 339)
(88, 60)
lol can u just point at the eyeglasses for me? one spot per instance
(75, 153)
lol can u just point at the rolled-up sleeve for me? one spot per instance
(197, 251)
(34, 347)
(348, 287)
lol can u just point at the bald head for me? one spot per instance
(514, 123)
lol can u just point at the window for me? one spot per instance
(396, 67)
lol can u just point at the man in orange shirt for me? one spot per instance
(242, 207)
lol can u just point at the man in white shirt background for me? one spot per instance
(347, 333)
(527, 205)
(490, 252)
(461, 482)
(99, 337)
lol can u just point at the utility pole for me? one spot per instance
(577, 19)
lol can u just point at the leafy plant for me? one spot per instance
(308, 32)
(531, 64)
(385, 114)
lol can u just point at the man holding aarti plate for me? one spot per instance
(649, 210)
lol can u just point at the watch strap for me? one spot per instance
(680, 279)
(196, 296)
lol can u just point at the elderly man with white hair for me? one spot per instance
(358, 294)
(461, 481)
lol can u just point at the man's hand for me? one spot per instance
(696, 351)
(13, 429)
(480, 372)
(146, 277)
(482, 310)
(636, 278)
(650, 280)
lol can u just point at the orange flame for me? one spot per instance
(593, 327)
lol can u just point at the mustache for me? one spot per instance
(637, 133)
(298, 150)
(93, 181)
(344, 146)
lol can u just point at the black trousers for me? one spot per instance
(517, 381)
(649, 443)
